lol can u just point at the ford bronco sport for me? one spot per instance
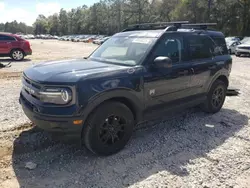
(136, 75)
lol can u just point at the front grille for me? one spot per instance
(244, 48)
(32, 88)
(35, 85)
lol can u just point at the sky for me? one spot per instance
(27, 10)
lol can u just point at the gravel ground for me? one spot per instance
(10, 84)
(191, 149)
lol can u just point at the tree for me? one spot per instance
(111, 16)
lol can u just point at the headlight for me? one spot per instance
(56, 95)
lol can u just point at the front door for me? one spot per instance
(167, 85)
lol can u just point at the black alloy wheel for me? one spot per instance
(108, 128)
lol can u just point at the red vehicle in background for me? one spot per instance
(13, 46)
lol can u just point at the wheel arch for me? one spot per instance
(221, 77)
(224, 79)
(17, 49)
(126, 98)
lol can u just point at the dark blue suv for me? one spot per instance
(136, 75)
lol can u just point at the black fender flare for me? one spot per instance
(220, 74)
(128, 95)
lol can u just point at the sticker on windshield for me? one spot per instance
(141, 40)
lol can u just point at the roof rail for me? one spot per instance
(158, 25)
(202, 26)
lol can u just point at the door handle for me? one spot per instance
(212, 67)
(183, 72)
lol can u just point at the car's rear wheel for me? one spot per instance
(215, 98)
(237, 54)
(108, 129)
(17, 55)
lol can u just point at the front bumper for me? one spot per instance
(51, 123)
(242, 51)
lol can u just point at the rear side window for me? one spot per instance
(6, 38)
(200, 47)
(220, 46)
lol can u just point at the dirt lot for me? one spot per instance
(191, 149)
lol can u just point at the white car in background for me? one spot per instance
(243, 48)
(232, 39)
(232, 45)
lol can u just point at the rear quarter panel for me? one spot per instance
(223, 68)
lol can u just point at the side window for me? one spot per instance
(200, 47)
(234, 44)
(2, 38)
(6, 38)
(220, 46)
(171, 47)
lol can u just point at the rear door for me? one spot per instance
(202, 61)
(6, 44)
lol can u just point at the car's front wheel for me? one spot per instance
(17, 55)
(108, 129)
(215, 97)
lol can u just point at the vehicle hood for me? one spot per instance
(69, 71)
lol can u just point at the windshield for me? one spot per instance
(123, 50)
(246, 40)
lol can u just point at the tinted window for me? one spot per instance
(220, 46)
(171, 47)
(200, 47)
(6, 38)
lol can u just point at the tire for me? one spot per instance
(17, 55)
(217, 93)
(230, 52)
(108, 128)
(237, 55)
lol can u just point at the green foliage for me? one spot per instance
(15, 27)
(111, 16)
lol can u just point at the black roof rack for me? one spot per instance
(153, 26)
(169, 26)
(202, 26)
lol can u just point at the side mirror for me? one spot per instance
(162, 62)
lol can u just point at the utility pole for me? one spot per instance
(209, 10)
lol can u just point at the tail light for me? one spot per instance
(27, 43)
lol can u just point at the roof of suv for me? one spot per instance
(158, 33)
(5, 33)
(181, 27)
(8, 34)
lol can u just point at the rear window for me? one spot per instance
(18, 38)
(220, 46)
(199, 47)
